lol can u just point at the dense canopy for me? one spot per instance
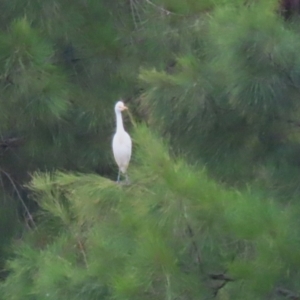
(213, 91)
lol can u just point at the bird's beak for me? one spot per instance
(125, 107)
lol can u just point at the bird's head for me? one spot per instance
(120, 106)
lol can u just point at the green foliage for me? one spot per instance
(159, 238)
(231, 98)
(59, 63)
(39, 89)
(219, 79)
(59, 78)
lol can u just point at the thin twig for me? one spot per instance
(2, 183)
(83, 253)
(19, 196)
(220, 276)
(191, 234)
(133, 14)
(167, 12)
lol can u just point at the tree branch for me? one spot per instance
(191, 235)
(222, 280)
(220, 276)
(19, 196)
(165, 11)
(81, 247)
(11, 142)
(287, 294)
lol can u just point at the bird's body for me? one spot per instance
(121, 142)
(122, 150)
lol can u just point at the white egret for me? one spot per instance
(121, 143)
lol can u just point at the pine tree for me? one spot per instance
(174, 233)
(220, 79)
(231, 98)
(59, 79)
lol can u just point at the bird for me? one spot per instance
(121, 143)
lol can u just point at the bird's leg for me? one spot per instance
(127, 179)
(119, 174)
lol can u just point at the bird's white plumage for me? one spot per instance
(121, 141)
(122, 150)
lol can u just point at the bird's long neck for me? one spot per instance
(120, 126)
